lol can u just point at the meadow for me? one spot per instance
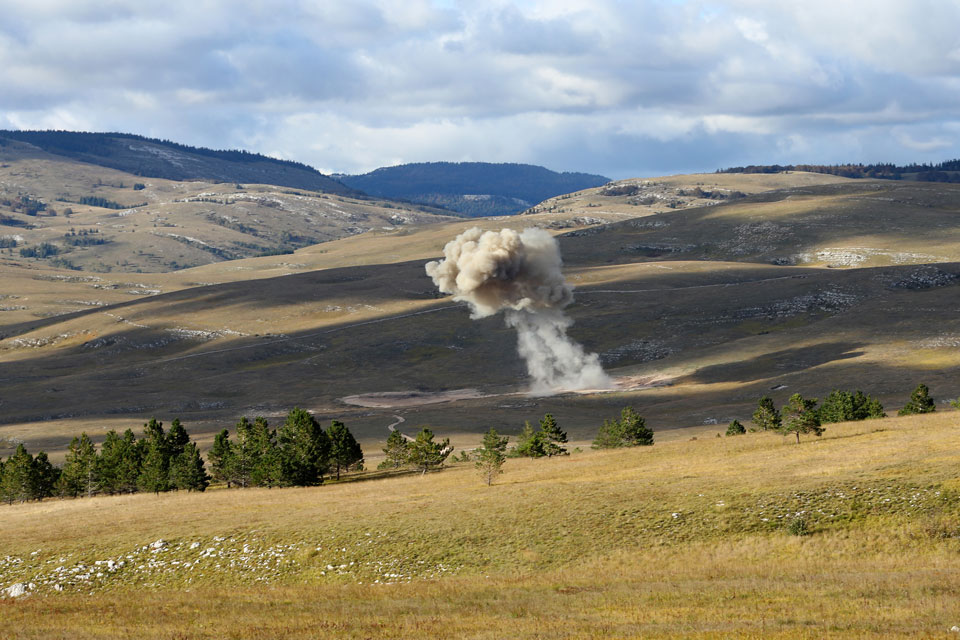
(854, 534)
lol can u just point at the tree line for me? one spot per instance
(802, 415)
(299, 453)
(940, 172)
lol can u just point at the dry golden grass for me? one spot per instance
(683, 539)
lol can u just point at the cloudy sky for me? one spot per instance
(621, 88)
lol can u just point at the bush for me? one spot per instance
(798, 527)
(629, 431)
(920, 402)
(843, 406)
(735, 429)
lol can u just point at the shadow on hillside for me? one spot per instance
(771, 365)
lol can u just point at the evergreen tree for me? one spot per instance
(155, 470)
(119, 463)
(221, 456)
(187, 470)
(177, 439)
(345, 451)
(766, 417)
(492, 455)
(45, 476)
(396, 453)
(244, 457)
(552, 437)
(19, 481)
(529, 442)
(801, 416)
(843, 406)
(426, 453)
(304, 449)
(629, 431)
(265, 470)
(736, 429)
(920, 402)
(81, 469)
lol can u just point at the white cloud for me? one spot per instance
(595, 85)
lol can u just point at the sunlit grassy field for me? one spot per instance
(689, 538)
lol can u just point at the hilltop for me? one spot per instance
(152, 158)
(58, 211)
(472, 188)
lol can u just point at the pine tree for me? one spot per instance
(266, 470)
(766, 417)
(345, 451)
(155, 470)
(629, 431)
(80, 469)
(920, 402)
(18, 483)
(396, 453)
(736, 429)
(177, 439)
(552, 437)
(187, 470)
(221, 456)
(45, 476)
(800, 416)
(304, 449)
(244, 457)
(426, 453)
(492, 455)
(119, 463)
(529, 442)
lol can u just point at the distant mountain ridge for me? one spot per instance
(472, 188)
(154, 158)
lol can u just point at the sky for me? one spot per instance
(619, 88)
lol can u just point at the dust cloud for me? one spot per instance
(520, 273)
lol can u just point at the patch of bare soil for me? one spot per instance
(397, 399)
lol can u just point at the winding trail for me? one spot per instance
(393, 426)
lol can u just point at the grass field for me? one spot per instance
(689, 538)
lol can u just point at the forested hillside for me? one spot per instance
(472, 188)
(153, 158)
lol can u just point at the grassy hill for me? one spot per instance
(153, 158)
(688, 538)
(103, 220)
(697, 310)
(472, 188)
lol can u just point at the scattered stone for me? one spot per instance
(16, 590)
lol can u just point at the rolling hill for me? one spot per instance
(795, 282)
(153, 158)
(56, 211)
(471, 188)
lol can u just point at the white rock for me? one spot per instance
(194, 545)
(15, 590)
(955, 629)
(159, 544)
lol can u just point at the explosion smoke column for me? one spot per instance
(519, 273)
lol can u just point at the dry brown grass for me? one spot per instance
(667, 541)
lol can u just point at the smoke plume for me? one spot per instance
(519, 273)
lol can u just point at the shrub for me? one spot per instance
(735, 429)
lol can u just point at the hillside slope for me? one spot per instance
(472, 188)
(682, 539)
(77, 215)
(697, 311)
(152, 158)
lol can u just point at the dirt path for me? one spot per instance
(393, 427)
